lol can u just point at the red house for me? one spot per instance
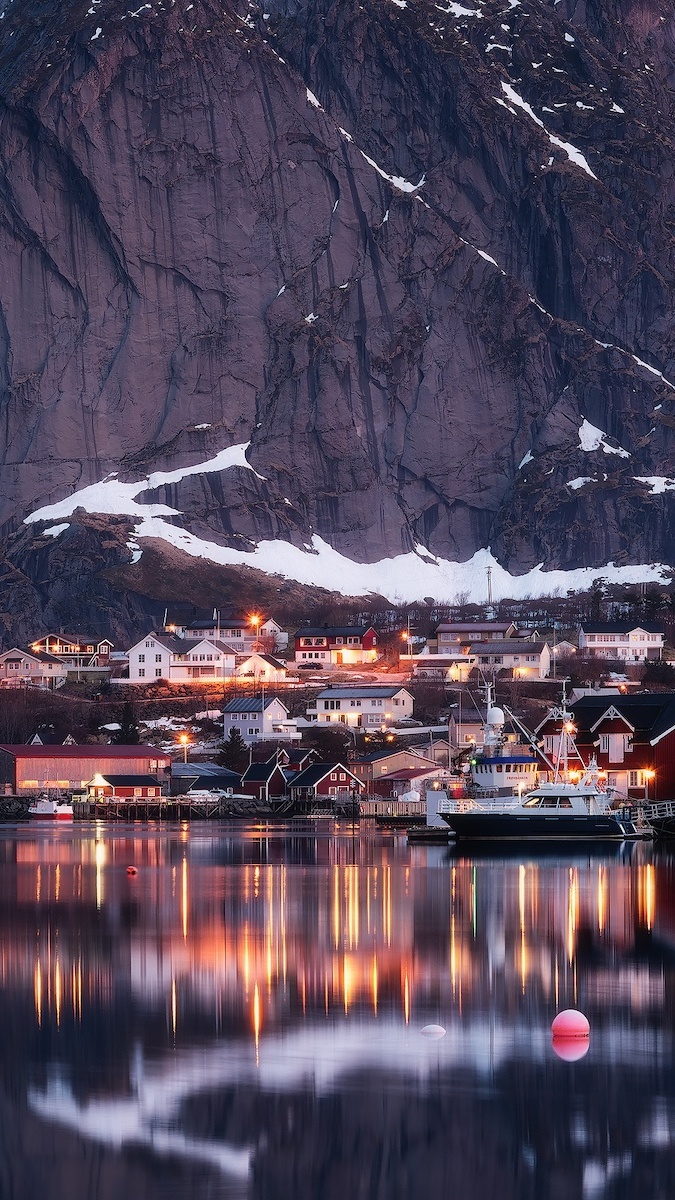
(264, 781)
(124, 787)
(632, 738)
(326, 646)
(325, 784)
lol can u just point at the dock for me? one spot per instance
(202, 807)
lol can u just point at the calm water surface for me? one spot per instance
(244, 1017)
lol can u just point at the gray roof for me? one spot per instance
(131, 780)
(318, 771)
(250, 704)
(189, 770)
(333, 631)
(473, 626)
(38, 655)
(621, 626)
(508, 646)
(350, 693)
(273, 662)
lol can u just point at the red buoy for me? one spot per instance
(571, 1049)
(570, 1023)
(132, 870)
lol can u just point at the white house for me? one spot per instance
(19, 667)
(176, 659)
(525, 659)
(259, 720)
(246, 634)
(367, 707)
(622, 639)
(264, 668)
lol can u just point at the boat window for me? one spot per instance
(532, 802)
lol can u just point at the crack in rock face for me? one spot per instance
(403, 252)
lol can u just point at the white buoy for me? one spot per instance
(433, 1032)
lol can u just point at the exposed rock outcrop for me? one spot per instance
(405, 288)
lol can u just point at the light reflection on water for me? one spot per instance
(243, 1017)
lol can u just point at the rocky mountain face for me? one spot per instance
(417, 257)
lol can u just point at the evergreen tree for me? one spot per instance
(127, 734)
(234, 752)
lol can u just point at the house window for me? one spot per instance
(158, 658)
(342, 775)
(148, 644)
(333, 774)
(138, 791)
(253, 730)
(152, 791)
(141, 658)
(332, 791)
(158, 672)
(604, 743)
(141, 673)
(339, 641)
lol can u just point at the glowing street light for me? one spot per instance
(184, 740)
(649, 775)
(255, 620)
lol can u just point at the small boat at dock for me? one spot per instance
(51, 810)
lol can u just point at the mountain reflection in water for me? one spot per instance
(243, 1017)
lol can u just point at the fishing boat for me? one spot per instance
(51, 810)
(574, 804)
(500, 769)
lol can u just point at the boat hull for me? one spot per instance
(50, 816)
(663, 827)
(484, 826)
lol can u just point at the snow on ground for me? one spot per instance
(591, 438)
(117, 498)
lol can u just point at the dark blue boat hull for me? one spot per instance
(479, 826)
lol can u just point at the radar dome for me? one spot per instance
(495, 716)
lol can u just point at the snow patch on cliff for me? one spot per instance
(113, 497)
(591, 438)
(657, 483)
(574, 155)
(405, 578)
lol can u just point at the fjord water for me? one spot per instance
(244, 1017)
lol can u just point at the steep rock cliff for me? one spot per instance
(408, 253)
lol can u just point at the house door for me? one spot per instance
(338, 658)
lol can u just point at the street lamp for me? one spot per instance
(648, 776)
(254, 619)
(184, 740)
(406, 636)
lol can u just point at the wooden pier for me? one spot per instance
(165, 808)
